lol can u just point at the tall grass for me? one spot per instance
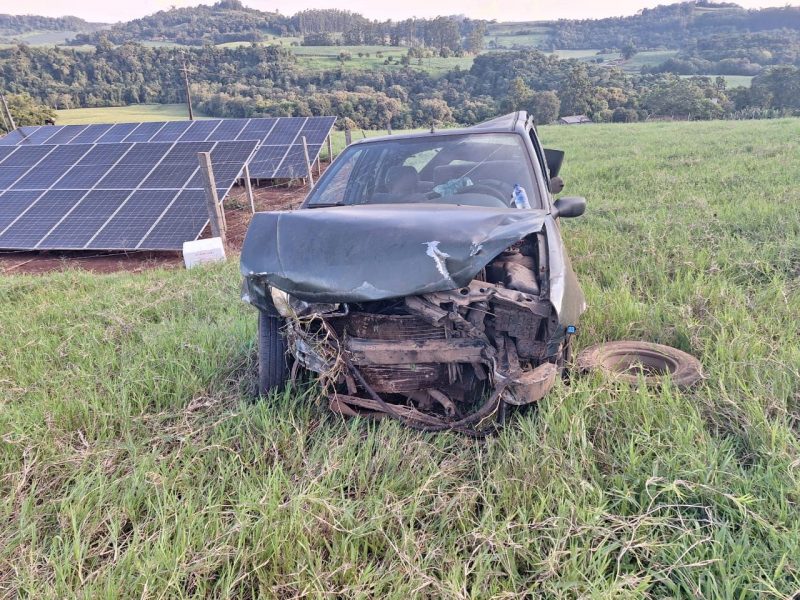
(134, 464)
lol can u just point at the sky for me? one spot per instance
(502, 10)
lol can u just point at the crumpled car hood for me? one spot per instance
(375, 252)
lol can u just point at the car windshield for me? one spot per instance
(471, 169)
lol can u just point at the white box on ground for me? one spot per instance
(199, 252)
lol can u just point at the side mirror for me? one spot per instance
(556, 185)
(569, 206)
(554, 160)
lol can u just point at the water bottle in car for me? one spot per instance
(520, 197)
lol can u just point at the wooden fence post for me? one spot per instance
(330, 149)
(309, 166)
(216, 213)
(348, 137)
(249, 188)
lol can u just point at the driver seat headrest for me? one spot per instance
(402, 179)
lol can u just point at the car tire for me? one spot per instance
(618, 360)
(272, 371)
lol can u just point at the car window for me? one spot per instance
(475, 169)
(421, 159)
(336, 190)
(537, 146)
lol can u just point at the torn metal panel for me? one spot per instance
(391, 352)
(375, 252)
(531, 386)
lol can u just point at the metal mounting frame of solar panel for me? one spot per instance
(280, 155)
(125, 196)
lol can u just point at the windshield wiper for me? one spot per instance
(325, 204)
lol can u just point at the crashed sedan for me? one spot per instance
(424, 278)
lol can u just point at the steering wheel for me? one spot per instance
(479, 188)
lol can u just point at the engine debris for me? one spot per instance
(437, 361)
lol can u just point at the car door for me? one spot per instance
(565, 291)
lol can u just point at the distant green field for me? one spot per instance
(165, 44)
(738, 80)
(649, 58)
(320, 58)
(530, 40)
(731, 81)
(120, 114)
(584, 53)
(633, 65)
(533, 30)
(43, 38)
(38, 38)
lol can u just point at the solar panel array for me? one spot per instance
(132, 195)
(280, 154)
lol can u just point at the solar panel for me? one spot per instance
(64, 135)
(199, 131)
(229, 129)
(124, 196)
(117, 133)
(15, 137)
(144, 132)
(13, 203)
(91, 134)
(283, 132)
(287, 135)
(257, 129)
(172, 131)
(316, 130)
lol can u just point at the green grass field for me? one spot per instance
(39, 38)
(321, 58)
(732, 81)
(512, 40)
(648, 58)
(134, 463)
(121, 114)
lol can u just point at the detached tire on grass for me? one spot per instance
(631, 361)
(271, 354)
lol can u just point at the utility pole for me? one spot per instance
(188, 91)
(7, 114)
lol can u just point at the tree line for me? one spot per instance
(230, 20)
(673, 26)
(738, 53)
(254, 81)
(11, 25)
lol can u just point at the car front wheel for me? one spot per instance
(271, 354)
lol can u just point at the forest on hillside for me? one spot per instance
(11, 25)
(671, 26)
(251, 81)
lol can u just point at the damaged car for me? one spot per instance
(424, 278)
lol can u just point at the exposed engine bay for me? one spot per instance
(451, 359)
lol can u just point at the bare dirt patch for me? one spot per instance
(237, 214)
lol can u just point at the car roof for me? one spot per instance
(515, 122)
